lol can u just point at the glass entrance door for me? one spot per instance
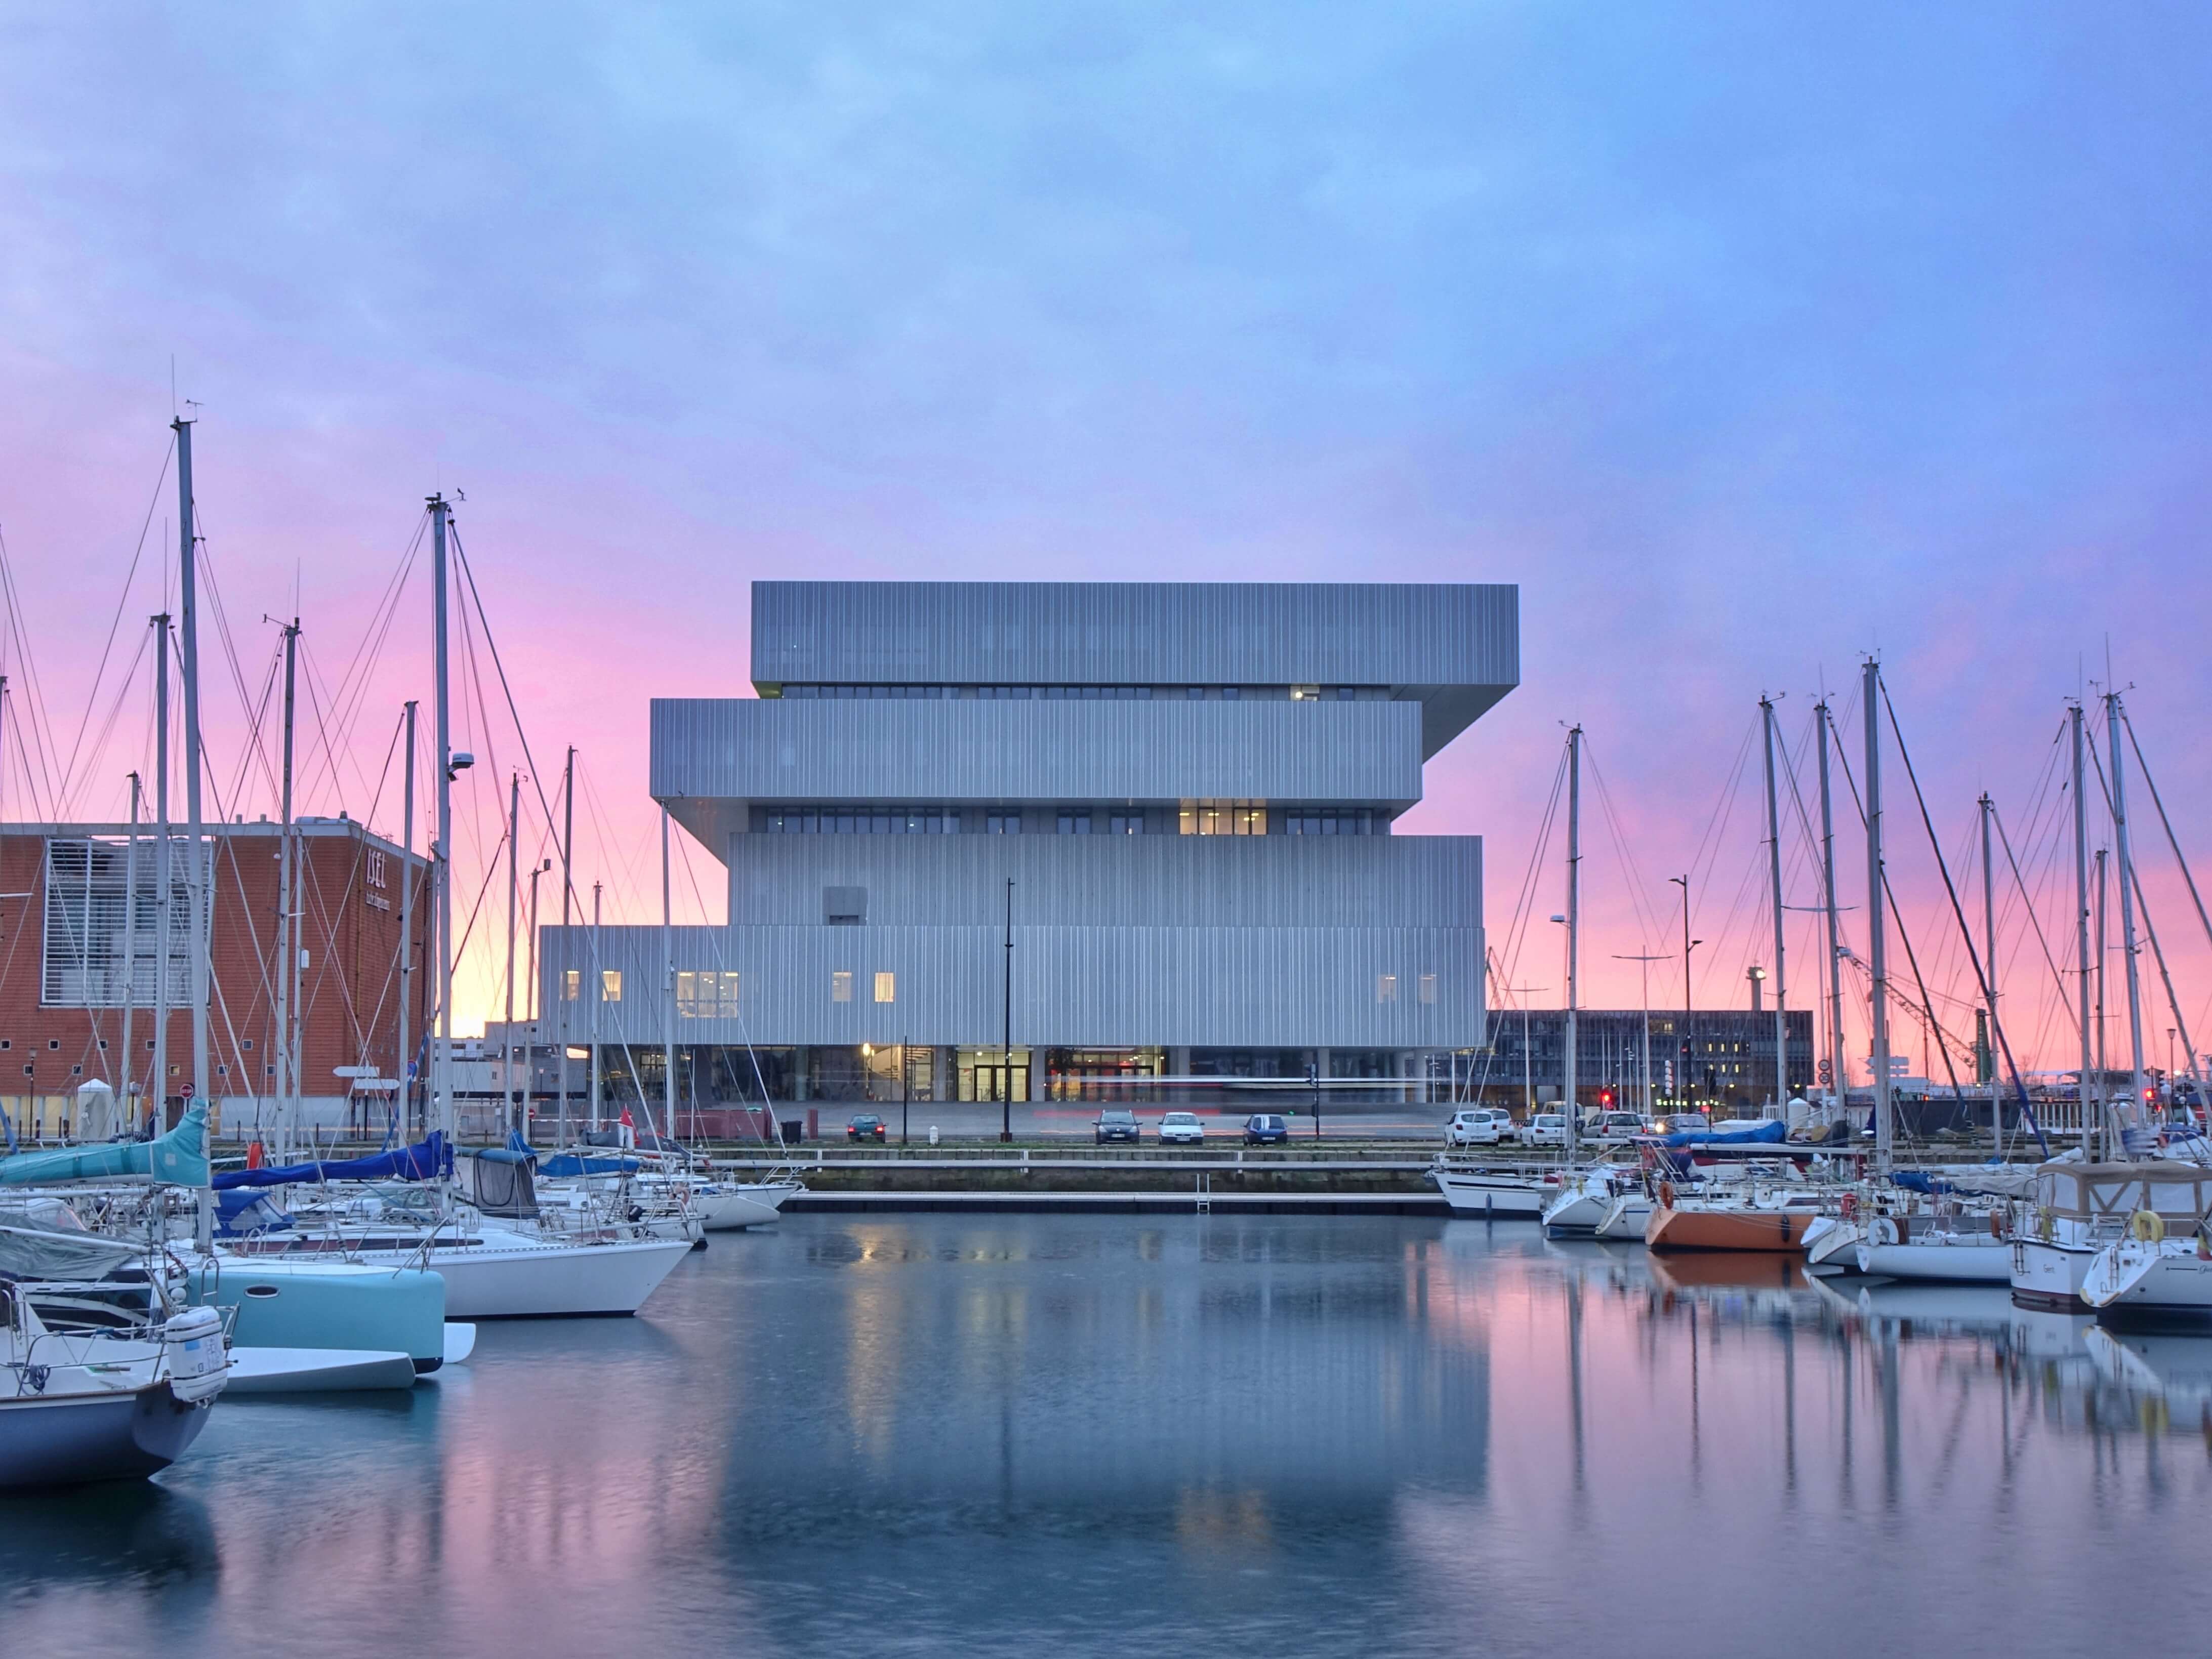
(991, 1081)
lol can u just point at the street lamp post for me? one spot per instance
(905, 1076)
(1527, 1062)
(1688, 945)
(1643, 972)
(1006, 1076)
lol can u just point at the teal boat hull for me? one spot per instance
(304, 1305)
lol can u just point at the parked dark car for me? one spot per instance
(1264, 1128)
(867, 1127)
(1115, 1126)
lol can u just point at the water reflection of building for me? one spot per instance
(1109, 1372)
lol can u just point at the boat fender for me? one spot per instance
(2148, 1225)
(1667, 1194)
(1996, 1223)
(2042, 1223)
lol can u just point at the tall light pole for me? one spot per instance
(536, 1004)
(1006, 1079)
(1528, 1060)
(1682, 1083)
(1643, 974)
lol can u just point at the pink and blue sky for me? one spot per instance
(1747, 339)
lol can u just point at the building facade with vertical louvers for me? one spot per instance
(1186, 792)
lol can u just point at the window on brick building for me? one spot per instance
(102, 932)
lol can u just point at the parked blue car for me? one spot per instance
(1264, 1128)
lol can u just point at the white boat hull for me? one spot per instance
(1577, 1208)
(1493, 1196)
(1625, 1218)
(316, 1370)
(509, 1276)
(726, 1210)
(2049, 1275)
(1832, 1243)
(1966, 1262)
(2133, 1277)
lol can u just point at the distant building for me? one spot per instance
(1186, 794)
(1730, 1061)
(79, 938)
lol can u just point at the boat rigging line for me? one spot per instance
(2027, 1108)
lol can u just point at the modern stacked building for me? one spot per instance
(1044, 841)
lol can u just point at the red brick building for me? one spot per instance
(71, 958)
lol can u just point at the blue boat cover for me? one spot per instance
(242, 1212)
(179, 1158)
(1773, 1131)
(568, 1164)
(421, 1162)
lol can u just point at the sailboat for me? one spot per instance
(494, 1269)
(1508, 1192)
(2080, 1210)
(1771, 1212)
(95, 1406)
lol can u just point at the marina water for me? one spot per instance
(1168, 1435)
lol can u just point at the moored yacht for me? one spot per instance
(1498, 1193)
(78, 1407)
(2078, 1211)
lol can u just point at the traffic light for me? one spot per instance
(1605, 1098)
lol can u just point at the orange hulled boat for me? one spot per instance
(1774, 1219)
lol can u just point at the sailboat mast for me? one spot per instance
(442, 858)
(568, 947)
(1990, 975)
(288, 952)
(1570, 1042)
(405, 1077)
(2104, 950)
(2134, 1114)
(165, 923)
(668, 988)
(537, 1007)
(513, 884)
(2086, 1095)
(196, 872)
(1836, 1058)
(122, 1073)
(1877, 946)
(597, 987)
(1774, 872)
